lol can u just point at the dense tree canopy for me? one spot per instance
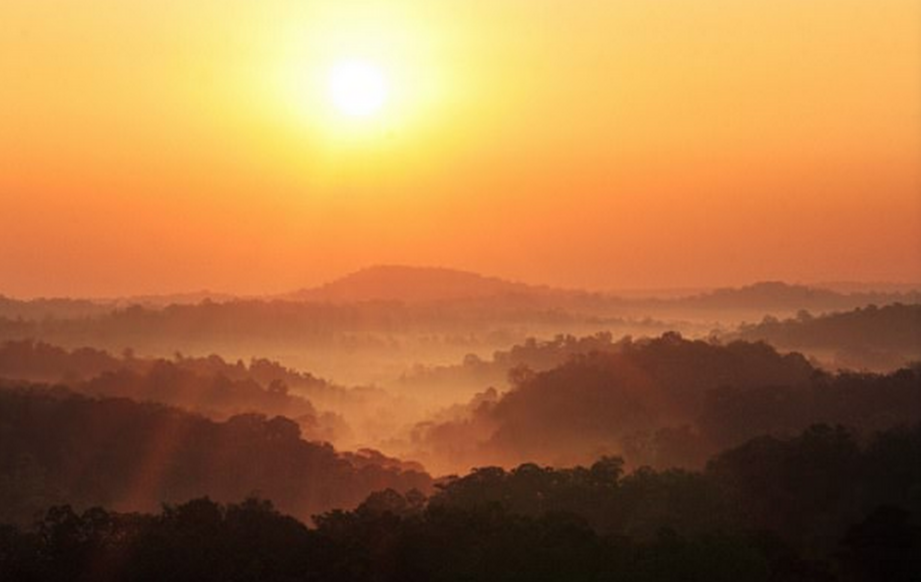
(665, 402)
(58, 447)
(814, 508)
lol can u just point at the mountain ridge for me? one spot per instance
(415, 284)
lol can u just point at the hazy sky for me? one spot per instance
(174, 145)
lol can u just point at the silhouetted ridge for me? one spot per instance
(665, 401)
(413, 284)
(59, 447)
(778, 295)
(868, 337)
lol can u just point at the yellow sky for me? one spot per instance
(173, 145)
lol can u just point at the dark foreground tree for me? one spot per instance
(817, 508)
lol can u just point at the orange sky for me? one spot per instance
(172, 145)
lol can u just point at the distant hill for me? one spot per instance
(414, 285)
(766, 294)
(871, 337)
(433, 289)
(430, 284)
(895, 326)
(778, 297)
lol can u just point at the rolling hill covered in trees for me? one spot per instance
(730, 452)
(871, 337)
(60, 447)
(665, 401)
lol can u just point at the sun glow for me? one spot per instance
(348, 78)
(357, 88)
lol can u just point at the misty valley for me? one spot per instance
(460, 291)
(428, 424)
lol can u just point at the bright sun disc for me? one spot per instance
(357, 88)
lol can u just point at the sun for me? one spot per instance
(357, 88)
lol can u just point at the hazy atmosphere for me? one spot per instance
(371, 291)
